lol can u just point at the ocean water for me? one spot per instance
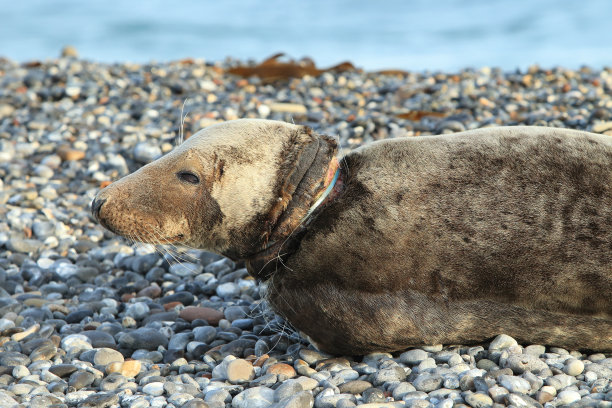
(403, 34)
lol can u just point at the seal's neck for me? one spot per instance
(309, 199)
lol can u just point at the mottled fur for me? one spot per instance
(442, 239)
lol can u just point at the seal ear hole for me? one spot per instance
(188, 177)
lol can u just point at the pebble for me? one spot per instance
(143, 338)
(257, 397)
(573, 367)
(514, 384)
(153, 388)
(427, 382)
(239, 371)
(282, 369)
(81, 379)
(105, 356)
(191, 313)
(501, 342)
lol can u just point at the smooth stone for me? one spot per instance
(81, 379)
(26, 246)
(428, 382)
(186, 298)
(20, 371)
(521, 401)
(179, 341)
(302, 399)
(520, 363)
(239, 371)
(228, 290)
(387, 375)
(197, 403)
(501, 342)
(63, 370)
(105, 356)
(218, 395)
(402, 389)
(286, 389)
(257, 397)
(100, 339)
(567, 397)
(13, 358)
(354, 387)
(514, 384)
(76, 397)
(143, 338)
(535, 350)
(75, 343)
(176, 388)
(281, 369)
(100, 400)
(573, 367)
(138, 310)
(478, 400)
(129, 369)
(191, 313)
(413, 357)
(44, 352)
(112, 382)
(153, 388)
(204, 334)
(235, 313)
(312, 356)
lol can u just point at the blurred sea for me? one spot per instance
(407, 34)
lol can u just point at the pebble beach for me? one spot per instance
(88, 319)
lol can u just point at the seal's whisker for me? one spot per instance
(159, 239)
(181, 135)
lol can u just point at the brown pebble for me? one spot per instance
(239, 371)
(68, 154)
(129, 368)
(152, 292)
(126, 297)
(261, 360)
(191, 313)
(171, 305)
(22, 335)
(281, 369)
(105, 183)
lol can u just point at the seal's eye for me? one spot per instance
(188, 177)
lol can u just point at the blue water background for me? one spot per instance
(414, 35)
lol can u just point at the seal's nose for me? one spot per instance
(96, 204)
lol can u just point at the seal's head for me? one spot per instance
(230, 188)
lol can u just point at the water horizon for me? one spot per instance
(390, 34)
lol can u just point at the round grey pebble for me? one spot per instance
(427, 382)
(105, 356)
(138, 310)
(413, 357)
(143, 338)
(205, 334)
(81, 379)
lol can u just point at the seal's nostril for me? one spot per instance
(96, 204)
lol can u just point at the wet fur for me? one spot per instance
(445, 239)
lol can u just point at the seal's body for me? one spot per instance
(425, 240)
